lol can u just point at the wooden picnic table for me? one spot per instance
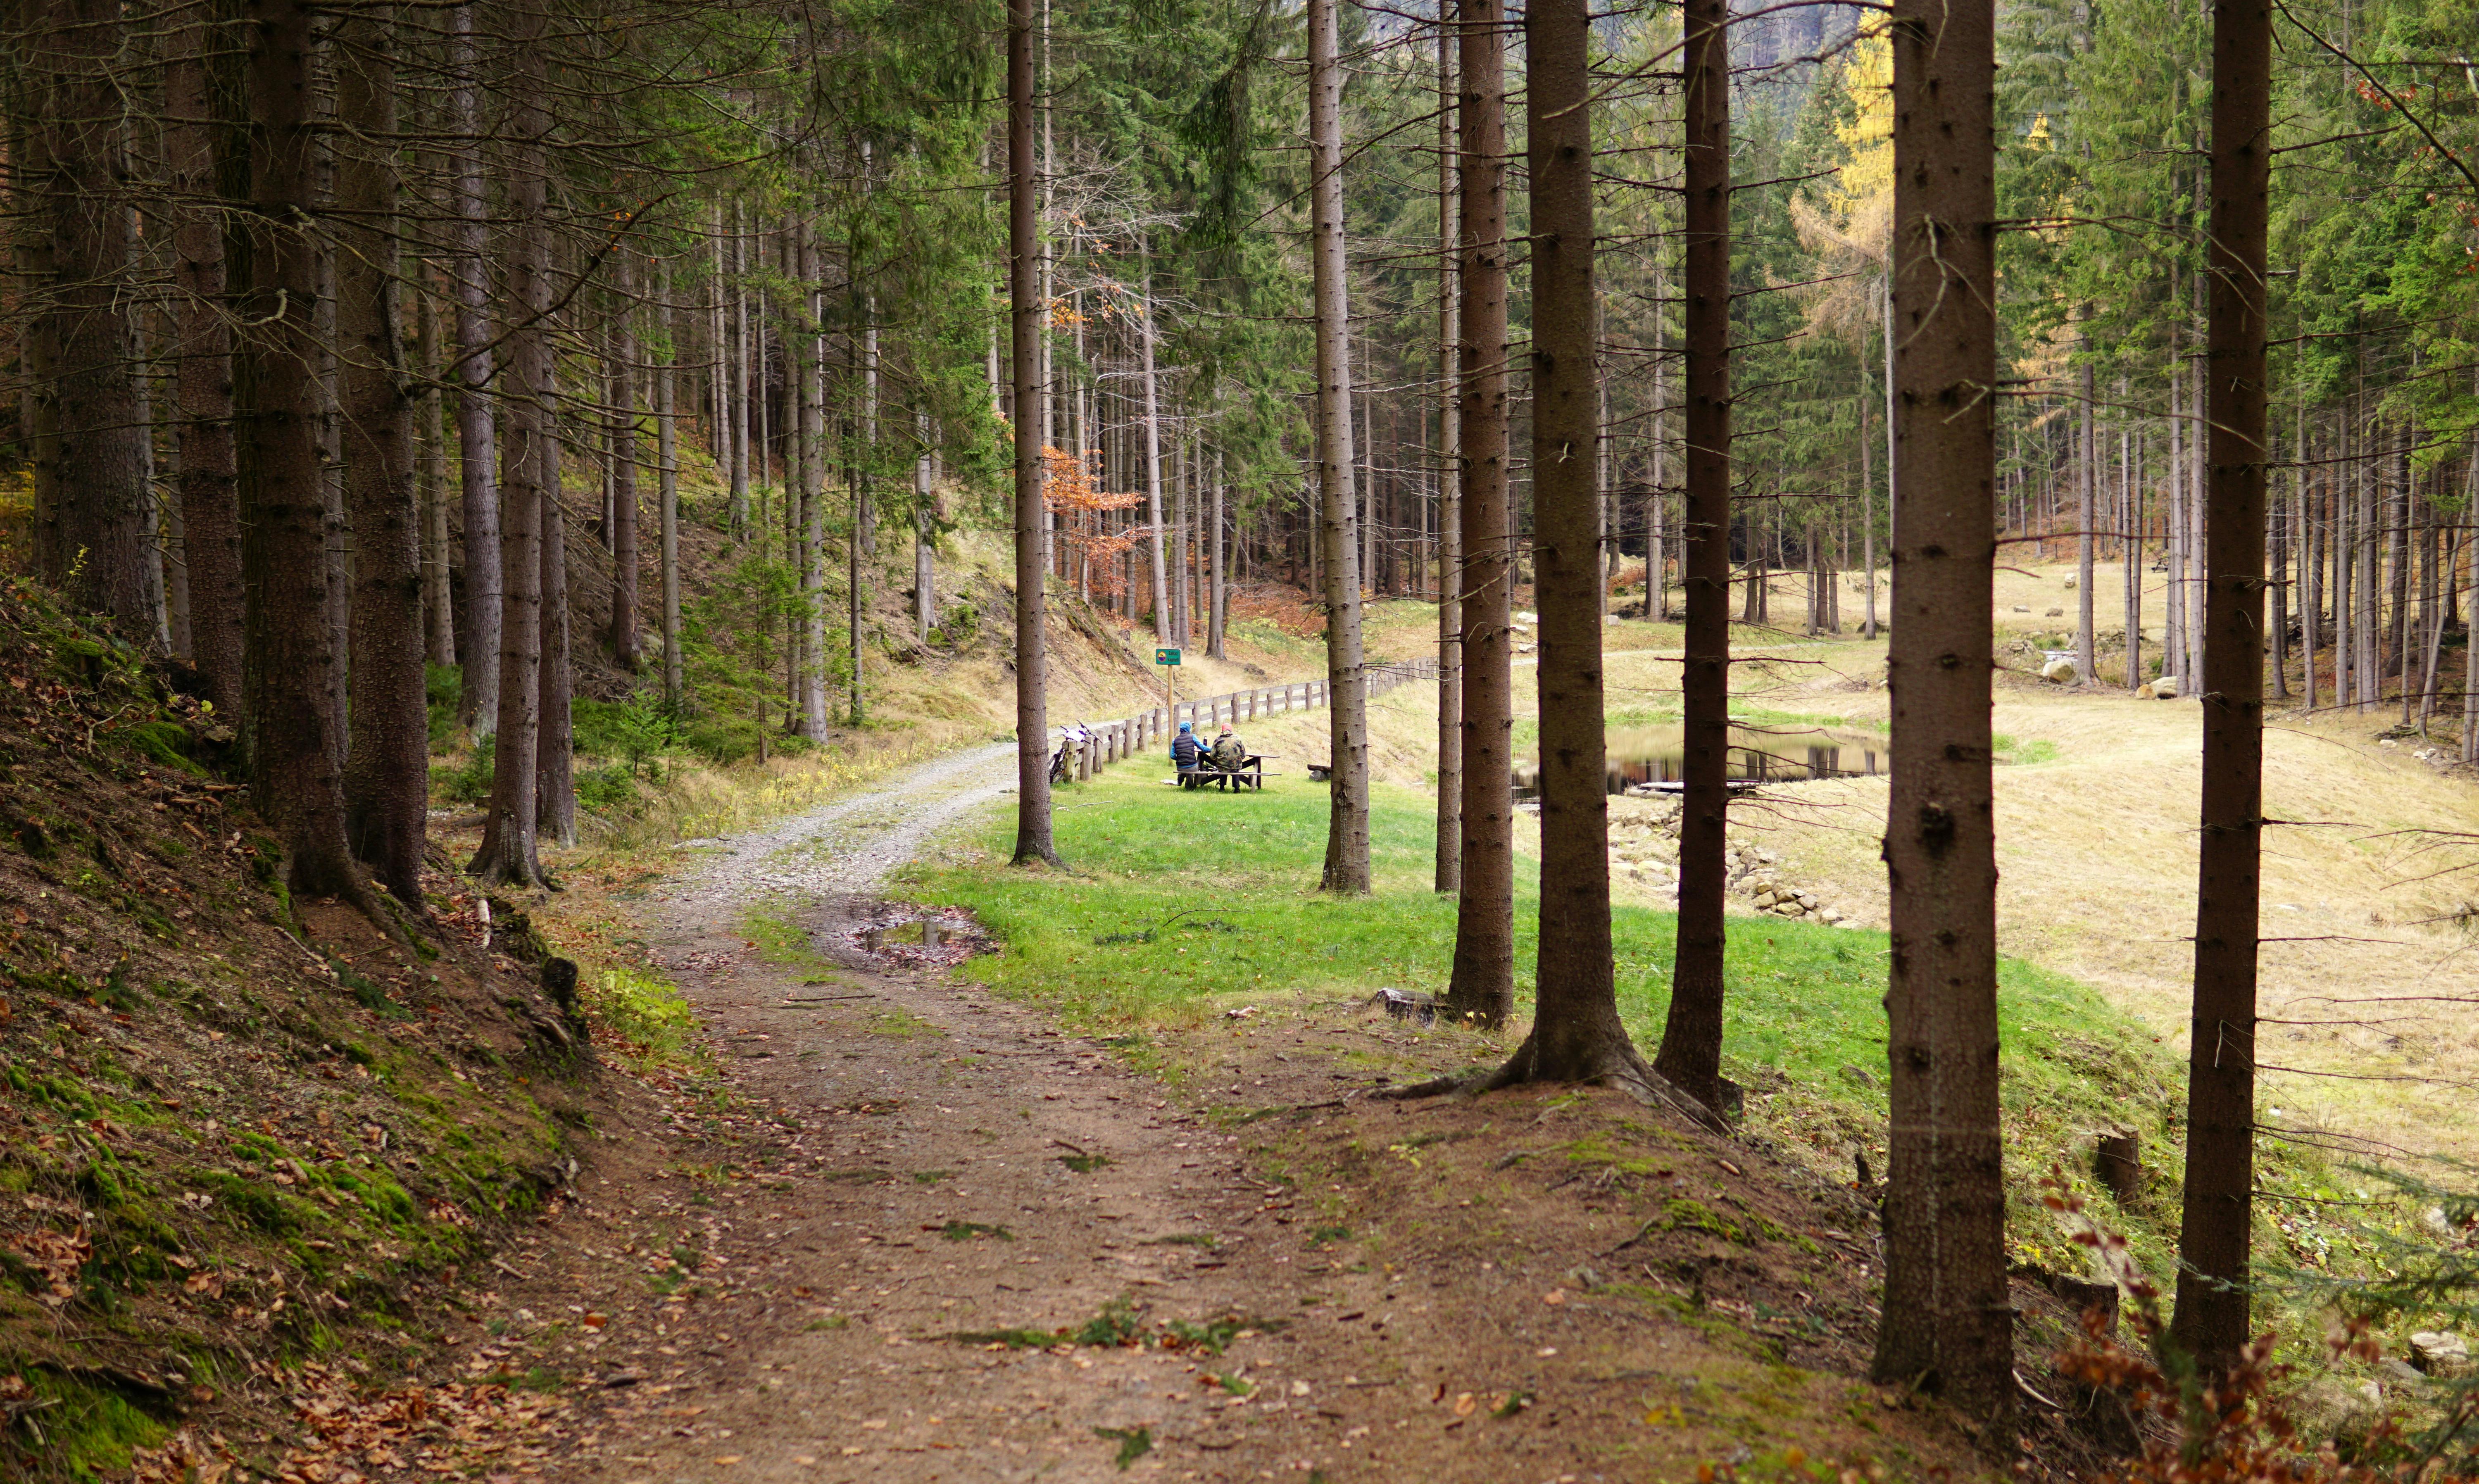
(1250, 774)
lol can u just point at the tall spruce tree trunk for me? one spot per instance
(1166, 622)
(167, 596)
(2396, 556)
(1656, 503)
(555, 753)
(509, 853)
(291, 653)
(2211, 1320)
(476, 421)
(622, 398)
(1576, 1034)
(2470, 648)
(1366, 448)
(743, 416)
(2131, 553)
(859, 547)
(331, 429)
(813, 495)
(387, 772)
(2086, 547)
(1885, 301)
(2343, 540)
(1177, 493)
(1867, 508)
(2281, 536)
(2198, 474)
(1026, 314)
(39, 340)
(718, 373)
(2173, 589)
(1217, 596)
(1946, 1315)
(2441, 550)
(1346, 840)
(667, 458)
(1691, 1039)
(430, 488)
(101, 556)
(1482, 989)
(1448, 871)
(2371, 572)
(925, 533)
(2311, 569)
(199, 99)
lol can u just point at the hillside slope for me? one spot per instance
(235, 1132)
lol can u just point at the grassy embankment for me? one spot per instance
(1184, 907)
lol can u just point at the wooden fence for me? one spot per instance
(1119, 740)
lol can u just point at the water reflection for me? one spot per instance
(1648, 758)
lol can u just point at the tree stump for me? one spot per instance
(2118, 1158)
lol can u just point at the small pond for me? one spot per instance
(1650, 757)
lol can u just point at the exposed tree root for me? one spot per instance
(1617, 1065)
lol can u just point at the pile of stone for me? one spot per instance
(1754, 876)
(1643, 849)
(2439, 1353)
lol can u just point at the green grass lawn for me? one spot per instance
(1184, 905)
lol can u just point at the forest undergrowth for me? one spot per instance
(241, 1133)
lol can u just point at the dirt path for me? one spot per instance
(964, 1169)
(929, 1236)
(931, 1191)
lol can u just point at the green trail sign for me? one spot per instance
(1165, 656)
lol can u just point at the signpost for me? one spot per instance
(1168, 659)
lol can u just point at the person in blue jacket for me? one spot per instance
(1185, 747)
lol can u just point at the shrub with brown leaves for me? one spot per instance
(2233, 1426)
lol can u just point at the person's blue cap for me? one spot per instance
(1187, 726)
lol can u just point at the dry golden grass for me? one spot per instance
(2365, 884)
(2364, 881)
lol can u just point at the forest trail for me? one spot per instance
(930, 1236)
